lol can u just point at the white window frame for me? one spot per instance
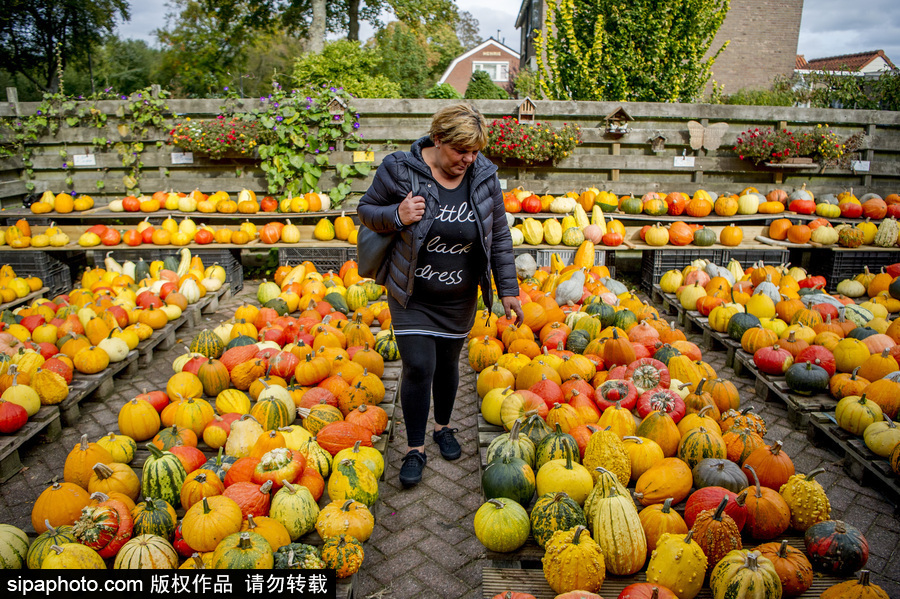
(500, 65)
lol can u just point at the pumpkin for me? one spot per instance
(147, 552)
(791, 566)
(79, 463)
(295, 508)
(806, 499)
(210, 521)
(717, 472)
(573, 561)
(855, 589)
(745, 574)
(154, 517)
(659, 519)
(353, 480)
(854, 414)
(772, 465)
(669, 478)
(72, 556)
(709, 498)
(716, 532)
(699, 444)
(617, 530)
(345, 517)
(501, 524)
(243, 551)
(679, 564)
(835, 547)
(509, 477)
(344, 554)
(162, 476)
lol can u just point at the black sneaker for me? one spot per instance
(450, 449)
(411, 470)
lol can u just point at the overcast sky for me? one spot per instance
(828, 27)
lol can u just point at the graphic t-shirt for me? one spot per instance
(448, 268)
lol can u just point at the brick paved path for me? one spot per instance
(424, 544)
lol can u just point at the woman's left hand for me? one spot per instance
(511, 305)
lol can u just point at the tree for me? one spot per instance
(37, 36)
(403, 59)
(635, 50)
(204, 51)
(467, 30)
(482, 88)
(346, 64)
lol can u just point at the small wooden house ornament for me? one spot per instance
(658, 142)
(617, 122)
(526, 111)
(336, 108)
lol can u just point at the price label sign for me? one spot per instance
(684, 161)
(363, 156)
(182, 158)
(860, 166)
(502, 183)
(84, 160)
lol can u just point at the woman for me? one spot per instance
(443, 201)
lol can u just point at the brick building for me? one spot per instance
(874, 61)
(491, 56)
(763, 37)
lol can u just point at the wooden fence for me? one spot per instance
(626, 164)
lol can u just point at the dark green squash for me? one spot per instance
(162, 476)
(207, 343)
(520, 445)
(719, 472)
(141, 270)
(740, 323)
(665, 353)
(279, 305)
(220, 464)
(836, 548)
(554, 447)
(552, 512)
(297, 556)
(577, 341)
(704, 237)
(631, 205)
(624, 319)
(862, 333)
(152, 517)
(607, 315)
(337, 302)
(894, 288)
(239, 341)
(806, 378)
(509, 477)
(535, 428)
(170, 263)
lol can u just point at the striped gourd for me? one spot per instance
(521, 446)
(554, 446)
(370, 457)
(154, 517)
(295, 508)
(699, 444)
(40, 548)
(319, 416)
(386, 345)
(606, 481)
(271, 413)
(146, 552)
(745, 573)
(317, 457)
(207, 343)
(352, 480)
(617, 529)
(243, 551)
(552, 512)
(163, 476)
(232, 401)
(13, 547)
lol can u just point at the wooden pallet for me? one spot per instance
(670, 304)
(24, 300)
(863, 466)
(531, 580)
(161, 340)
(743, 364)
(42, 427)
(96, 386)
(799, 407)
(714, 340)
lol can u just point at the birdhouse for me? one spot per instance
(336, 108)
(658, 142)
(617, 122)
(526, 111)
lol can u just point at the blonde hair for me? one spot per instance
(461, 126)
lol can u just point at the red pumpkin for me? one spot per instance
(836, 548)
(532, 204)
(851, 210)
(709, 498)
(613, 390)
(773, 360)
(190, 457)
(12, 417)
(203, 237)
(612, 239)
(645, 590)
(802, 206)
(817, 352)
(663, 400)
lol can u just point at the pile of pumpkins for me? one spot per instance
(13, 287)
(703, 203)
(20, 236)
(574, 230)
(62, 203)
(220, 202)
(822, 232)
(568, 399)
(172, 232)
(681, 233)
(819, 343)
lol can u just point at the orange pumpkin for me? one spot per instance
(799, 233)
(699, 208)
(778, 230)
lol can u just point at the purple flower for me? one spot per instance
(275, 104)
(279, 118)
(356, 125)
(39, 113)
(226, 88)
(65, 165)
(331, 148)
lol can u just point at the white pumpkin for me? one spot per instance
(116, 206)
(824, 235)
(518, 238)
(223, 331)
(562, 205)
(115, 348)
(211, 284)
(172, 312)
(190, 291)
(851, 288)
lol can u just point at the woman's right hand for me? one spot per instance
(411, 209)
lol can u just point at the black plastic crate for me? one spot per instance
(655, 263)
(55, 274)
(751, 257)
(836, 266)
(325, 259)
(234, 277)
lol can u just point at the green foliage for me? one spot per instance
(760, 97)
(403, 60)
(532, 142)
(30, 31)
(527, 84)
(834, 90)
(442, 91)
(297, 133)
(482, 88)
(345, 64)
(635, 50)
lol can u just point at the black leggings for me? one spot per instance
(430, 367)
